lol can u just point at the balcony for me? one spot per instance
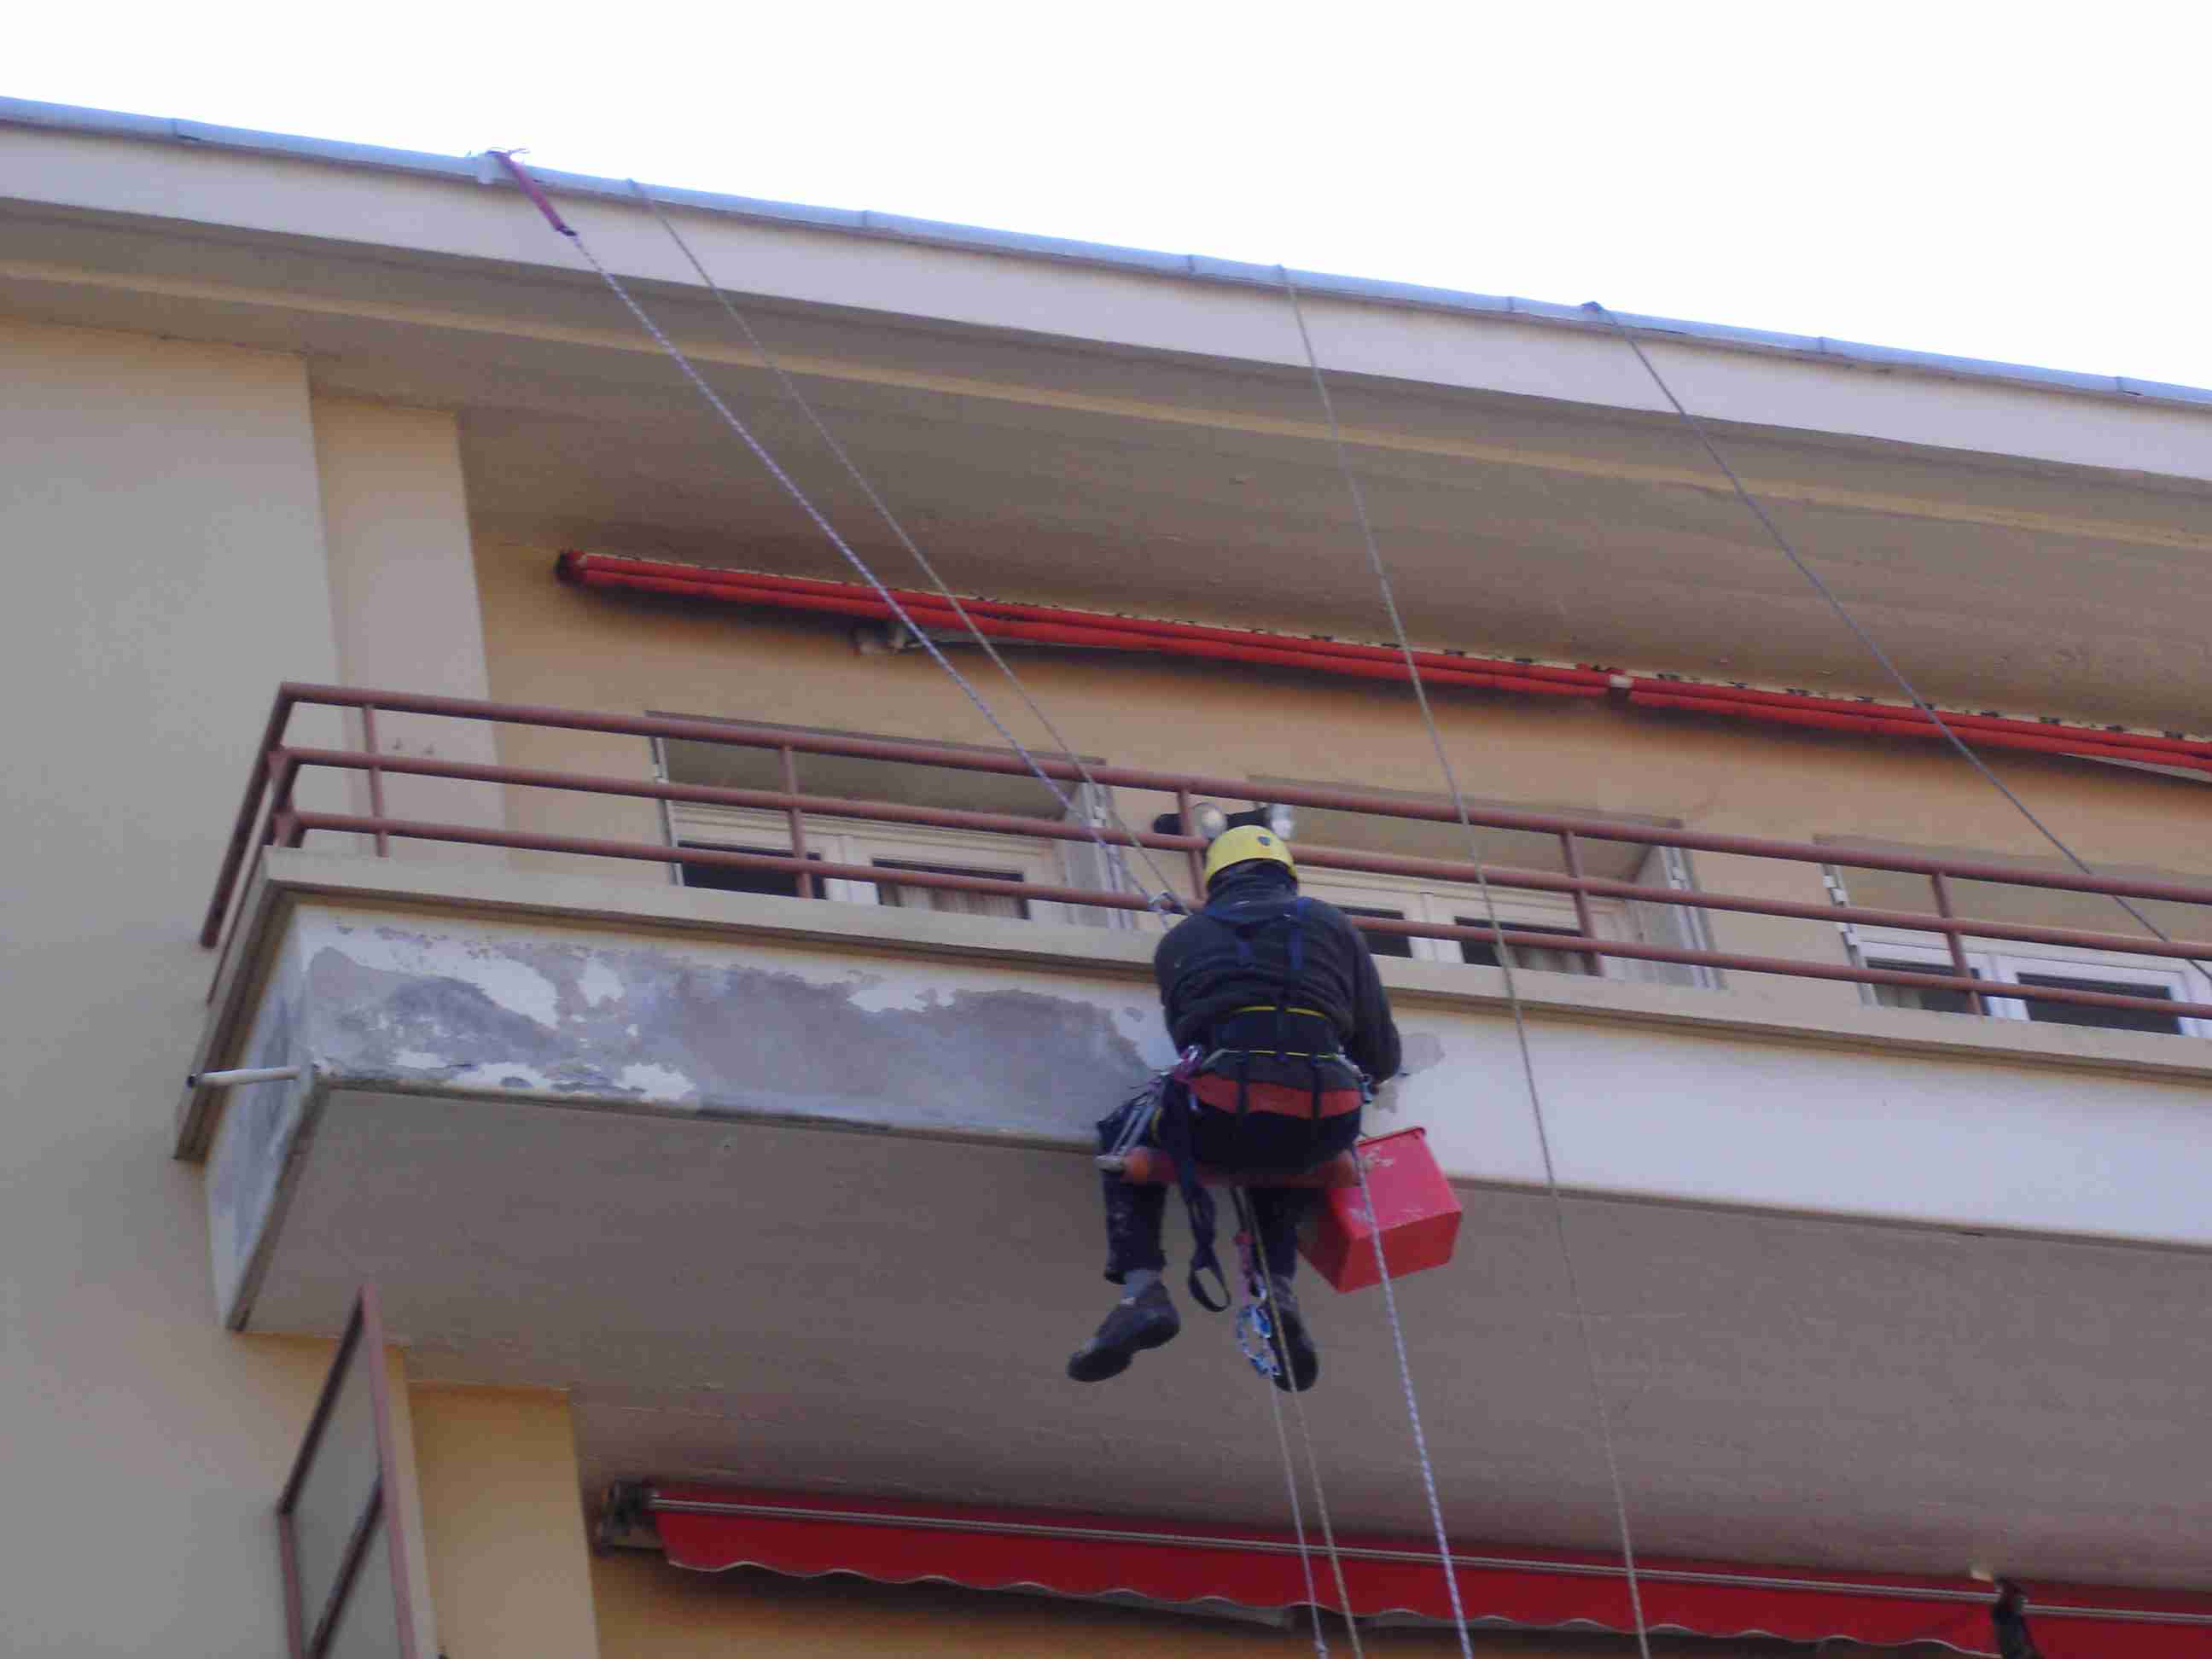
(788, 1174)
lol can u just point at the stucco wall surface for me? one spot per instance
(404, 597)
(503, 1524)
(161, 502)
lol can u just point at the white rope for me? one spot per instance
(1843, 614)
(791, 389)
(1248, 1240)
(1298, 1521)
(1320, 1497)
(1247, 1223)
(1160, 902)
(1521, 1036)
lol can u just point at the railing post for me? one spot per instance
(375, 778)
(1571, 851)
(797, 820)
(1196, 858)
(1960, 964)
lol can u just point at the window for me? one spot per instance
(1526, 956)
(1997, 966)
(1395, 899)
(734, 878)
(948, 899)
(1381, 944)
(887, 847)
(2115, 1020)
(1925, 998)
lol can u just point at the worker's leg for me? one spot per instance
(1145, 1317)
(1276, 1213)
(1135, 1215)
(1270, 1140)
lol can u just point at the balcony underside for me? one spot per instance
(778, 1189)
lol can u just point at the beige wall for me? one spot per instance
(404, 595)
(160, 506)
(503, 1523)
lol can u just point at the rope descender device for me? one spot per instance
(1255, 1323)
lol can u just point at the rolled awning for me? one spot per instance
(1034, 625)
(712, 1529)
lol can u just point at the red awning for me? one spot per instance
(892, 1541)
(1037, 624)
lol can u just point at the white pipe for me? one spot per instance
(231, 1079)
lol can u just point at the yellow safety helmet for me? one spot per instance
(1246, 842)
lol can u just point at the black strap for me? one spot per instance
(1197, 1202)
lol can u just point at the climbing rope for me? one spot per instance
(1274, 1360)
(1558, 1207)
(1159, 903)
(806, 407)
(1873, 648)
(1263, 1362)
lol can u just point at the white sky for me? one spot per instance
(2010, 181)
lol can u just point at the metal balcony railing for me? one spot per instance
(268, 816)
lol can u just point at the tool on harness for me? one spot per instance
(1256, 1326)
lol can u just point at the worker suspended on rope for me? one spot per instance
(1284, 1026)
(2009, 1616)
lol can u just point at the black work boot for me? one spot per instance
(1137, 1322)
(1299, 1367)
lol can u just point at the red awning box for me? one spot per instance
(894, 1540)
(1416, 1216)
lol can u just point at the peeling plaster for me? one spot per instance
(744, 1030)
(658, 1082)
(598, 984)
(1421, 1051)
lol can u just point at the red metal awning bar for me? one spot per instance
(1326, 858)
(1892, 724)
(654, 853)
(1109, 630)
(1097, 629)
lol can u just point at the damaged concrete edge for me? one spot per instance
(584, 903)
(371, 1082)
(316, 1098)
(244, 974)
(289, 875)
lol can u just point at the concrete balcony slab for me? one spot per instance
(781, 1187)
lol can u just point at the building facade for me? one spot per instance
(671, 1165)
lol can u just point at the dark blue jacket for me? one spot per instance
(1203, 979)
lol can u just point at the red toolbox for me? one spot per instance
(1415, 1211)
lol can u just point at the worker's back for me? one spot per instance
(1257, 945)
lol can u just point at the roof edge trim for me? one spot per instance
(1192, 267)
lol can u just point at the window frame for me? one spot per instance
(869, 840)
(1999, 962)
(1445, 903)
